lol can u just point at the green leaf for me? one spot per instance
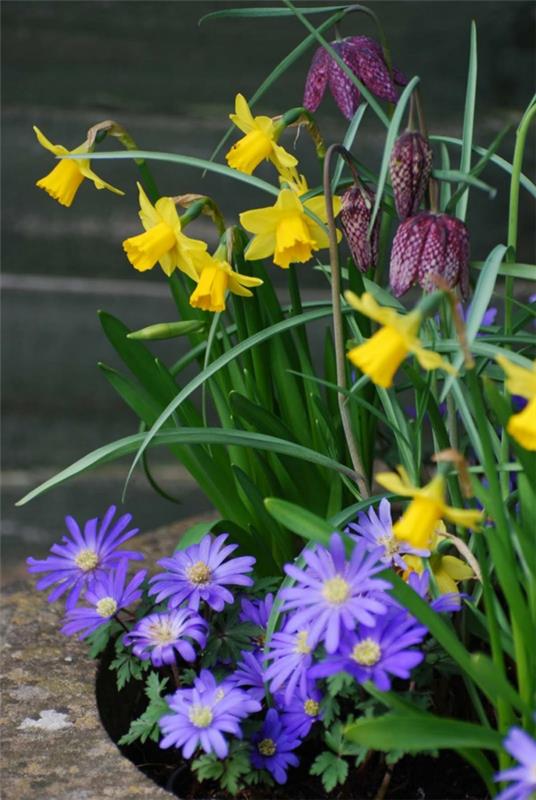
(98, 640)
(146, 726)
(331, 768)
(299, 520)
(525, 271)
(347, 143)
(468, 120)
(451, 175)
(208, 767)
(421, 732)
(194, 534)
(127, 667)
(267, 11)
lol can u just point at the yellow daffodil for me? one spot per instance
(216, 276)
(418, 523)
(163, 240)
(285, 230)
(448, 570)
(381, 355)
(259, 143)
(522, 426)
(63, 182)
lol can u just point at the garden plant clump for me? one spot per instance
(369, 593)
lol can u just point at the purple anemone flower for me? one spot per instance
(257, 611)
(334, 593)
(273, 746)
(199, 573)
(523, 748)
(302, 712)
(364, 57)
(445, 603)
(107, 596)
(200, 716)
(291, 654)
(84, 556)
(159, 636)
(377, 530)
(249, 673)
(374, 653)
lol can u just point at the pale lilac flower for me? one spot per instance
(160, 636)
(523, 777)
(291, 654)
(107, 596)
(273, 746)
(332, 593)
(200, 574)
(201, 716)
(84, 556)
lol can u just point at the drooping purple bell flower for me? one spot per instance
(410, 167)
(364, 57)
(355, 215)
(427, 246)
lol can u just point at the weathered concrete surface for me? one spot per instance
(53, 744)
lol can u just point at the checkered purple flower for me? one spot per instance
(84, 556)
(355, 216)
(159, 637)
(333, 593)
(200, 573)
(523, 776)
(273, 746)
(107, 596)
(201, 716)
(410, 167)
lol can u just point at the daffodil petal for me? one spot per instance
(394, 483)
(87, 172)
(429, 359)
(456, 569)
(57, 149)
(464, 517)
(518, 379)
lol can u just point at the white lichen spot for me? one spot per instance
(49, 720)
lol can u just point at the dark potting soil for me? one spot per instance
(447, 777)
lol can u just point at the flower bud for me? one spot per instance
(410, 167)
(428, 246)
(356, 212)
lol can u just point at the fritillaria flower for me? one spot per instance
(430, 246)
(356, 212)
(410, 168)
(523, 776)
(273, 747)
(259, 143)
(216, 277)
(64, 181)
(521, 381)
(364, 57)
(84, 556)
(159, 637)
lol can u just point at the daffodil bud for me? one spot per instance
(430, 246)
(410, 167)
(168, 330)
(356, 212)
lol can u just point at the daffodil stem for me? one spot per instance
(338, 332)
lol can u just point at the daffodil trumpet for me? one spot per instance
(216, 277)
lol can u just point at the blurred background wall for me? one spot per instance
(171, 83)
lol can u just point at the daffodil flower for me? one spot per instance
(381, 355)
(259, 143)
(216, 277)
(285, 230)
(448, 570)
(522, 426)
(163, 241)
(418, 523)
(63, 182)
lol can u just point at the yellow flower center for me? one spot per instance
(380, 356)
(293, 242)
(86, 560)
(199, 573)
(301, 645)
(267, 747)
(249, 151)
(200, 716)
(336, 590)
(368, 652)
(311, 708)
(390, 544)
(145, 250)
(106, 607)
(161, 632)
(418, 523)
(63, 182)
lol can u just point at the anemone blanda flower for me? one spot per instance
(523, 776)
(163, 241)
(215, 278)
(107, 596)
(64, 181)
(521, 381)
(84, 556)
(257, 611)
(302, 712)
(334, 593)
(446, 603)
(381, 355)
(419, 521)
(160, 636)
(376, 652)
(249, 674)
(273, 746)
(291, 654)
(259, 143)
(201, 573)
(200, 716)
(447, 570)
(377, 529)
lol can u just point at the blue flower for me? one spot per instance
(249, 673)
(273, 746)
(84, 557)
(107, 596)
(334, 593)
(523, 748)
(200, 716)
(302, 712)
(159, 636)
(199, 573)
(291, 654)
(257, 611)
